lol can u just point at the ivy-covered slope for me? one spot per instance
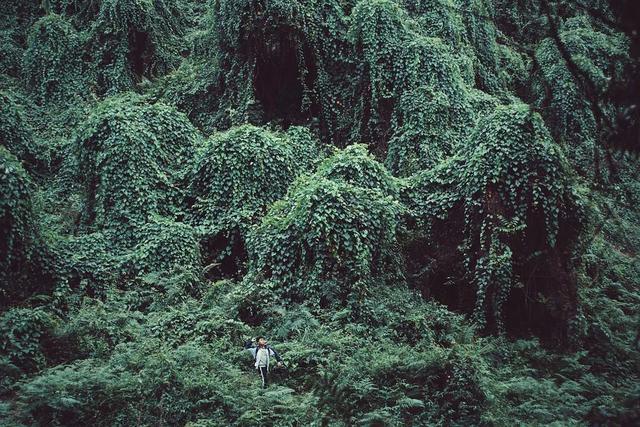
(429, 207)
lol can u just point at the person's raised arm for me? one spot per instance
(277, 356)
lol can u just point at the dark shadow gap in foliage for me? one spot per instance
(231, 265)
(277, 80)
(140, 52)
(542, 306)
(547, 300)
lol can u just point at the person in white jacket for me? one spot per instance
(262, 353)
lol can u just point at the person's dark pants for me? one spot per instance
(264, 375)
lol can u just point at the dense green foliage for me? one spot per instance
(603, 58)
(416, 201)
(327, 240)
(132, 160)
(237, 175)
(51, 66)
(514, 185)
(509, 192)
(17, 136)
(24, 252)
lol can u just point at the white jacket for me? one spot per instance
(270, 352)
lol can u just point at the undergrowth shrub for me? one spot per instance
(391, 384)
(181, 380)
(193, 379)
(96, 328)
(24, 333)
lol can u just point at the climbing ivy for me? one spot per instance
(328, 241)
(52, 65)
(238, 174)
(430, 195)
(356, 166)
(17, 18)
(602, 58)
(158, 263)
(132, 159)
(512, 152)
(481, 35)
(501, 200)
(385, 189)
(132, 39)
(427, 135)
(514, 174)
(407, 78)
(293, 73)
(166, 262)
(118, 43)
(25, 266)
(16, 134)
(24, 333)
(10, 54)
